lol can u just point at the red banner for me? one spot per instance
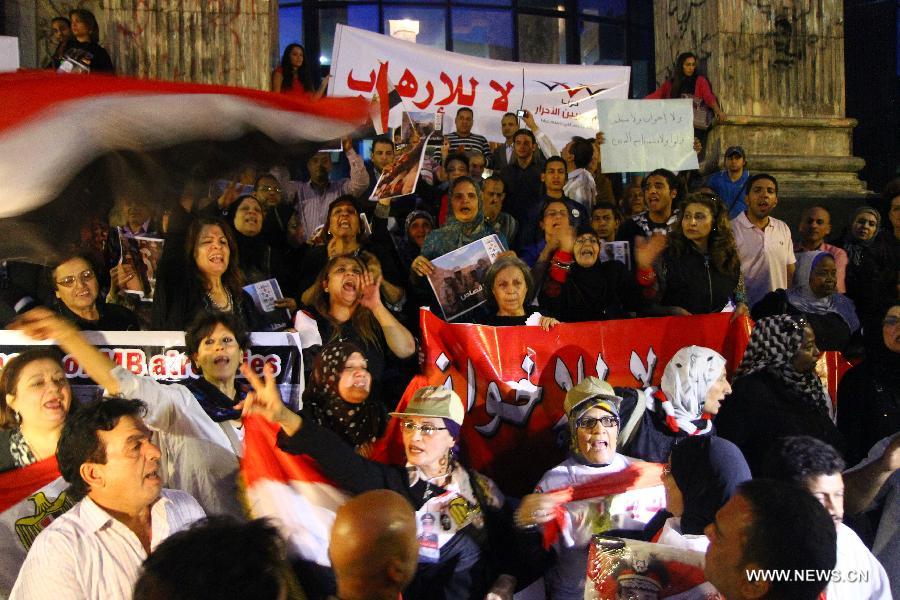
(513, 380)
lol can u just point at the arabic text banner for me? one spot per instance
(642, 135)
(161, 355)
(513, 380)
(561, 97)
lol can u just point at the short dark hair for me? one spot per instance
(9, 378)
(79, 442)
(203, 324)
(64, 258)
(61, 20)
(671, 178)
(382, 139)
(199, 563)
(799, 457)
(264, 176)
(495, 178)
(510, 114)
(754, 178)
(460, 156)
(466, 109)
(500, 264)
(602, 205)
(791, 530)
(527, 132)
(582, 152)
(556, 159)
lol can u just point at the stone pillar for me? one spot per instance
(227, 42)
(777, 68)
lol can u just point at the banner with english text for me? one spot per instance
(561, 97)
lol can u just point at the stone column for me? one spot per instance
(777, 68)
(226, 42)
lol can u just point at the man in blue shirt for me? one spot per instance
(729, 182)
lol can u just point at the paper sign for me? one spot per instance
(642, 135)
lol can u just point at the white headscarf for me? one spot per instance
(801, 296)
(685, 382)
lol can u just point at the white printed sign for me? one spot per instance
(561, 97)
(642, 135)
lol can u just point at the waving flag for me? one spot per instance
(70, 143)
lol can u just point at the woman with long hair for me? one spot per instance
(686, 81)
(695, 269)
(83, 50)
(294, 73)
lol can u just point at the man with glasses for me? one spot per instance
(275, 223)
(593, 415)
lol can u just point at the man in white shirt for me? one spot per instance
(96, 549)
(763, 242)
(816, 466)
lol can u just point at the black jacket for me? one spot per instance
(869, 404)
(693, 282)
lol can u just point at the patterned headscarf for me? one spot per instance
(801, 296)
(456, 234)
(685, 382)
(773, 344)
(355, 423)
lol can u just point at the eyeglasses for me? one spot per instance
(591, 422)
(556, 213)
(890, 321)
(83, 277)
(269, 188)
(426, 429)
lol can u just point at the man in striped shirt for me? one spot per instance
(463, 140)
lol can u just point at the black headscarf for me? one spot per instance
(707, 470)
(357, 424)
(254, 253)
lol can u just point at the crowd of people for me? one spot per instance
(760, 471)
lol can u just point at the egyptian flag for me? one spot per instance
(289, 490)
(30, 499)
(386, 110)
(72, 144)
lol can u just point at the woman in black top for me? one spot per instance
(776, 392)
(83, 51)
(508, 285)
(699, 272)
(75, 284)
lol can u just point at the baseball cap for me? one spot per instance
(735, 150)
(591, 392)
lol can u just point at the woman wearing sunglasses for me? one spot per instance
(593, 417)
(465, 508)
(74, 282)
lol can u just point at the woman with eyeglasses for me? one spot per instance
(592, 413)
(869, 393)
(471, 558)
(690, 394)
(75, 285)
(695, 269)
(776, 392)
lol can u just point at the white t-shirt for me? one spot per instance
(861, 575)
(765, 255)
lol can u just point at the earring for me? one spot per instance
(18, 418)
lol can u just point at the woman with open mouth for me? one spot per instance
(814, 297)
(207, 278)
(695, 269)
(198, 422)
(470, 558)
(581, 287)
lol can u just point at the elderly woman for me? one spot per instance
(465, 561)
(690, 394)
(581, 287)
(35, 399)
(337, 396)
(199, 422)
(814, 297)
(702, 474)
(695, 269)
(208, 279)
(593, 418)
(75, 284)
(776, 392)
(508, 286)
(347, 306)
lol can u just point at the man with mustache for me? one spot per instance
(95, 550)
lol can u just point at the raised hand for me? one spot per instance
(265, 400)
(646, 251)
(370, 291)
(43, 324)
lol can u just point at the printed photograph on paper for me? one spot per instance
(400, 179)
(457, 276)
(142, 253)
(620, 251)
(264, 294)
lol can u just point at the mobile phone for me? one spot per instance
(520, 113)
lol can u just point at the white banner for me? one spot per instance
(560, 96)
(642, 135)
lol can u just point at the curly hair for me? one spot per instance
(722, 248)
(362, 321)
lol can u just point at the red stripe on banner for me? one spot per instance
(32, 92)
(264, 460)
(18, 484)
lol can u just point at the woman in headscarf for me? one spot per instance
(863, 275)
(581, 287)
(689, 395)
(776, 391)
(593, 423)
(702, 474)
(337, 396)
(814, 296)
(470, 558)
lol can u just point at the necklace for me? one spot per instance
(216, 305)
